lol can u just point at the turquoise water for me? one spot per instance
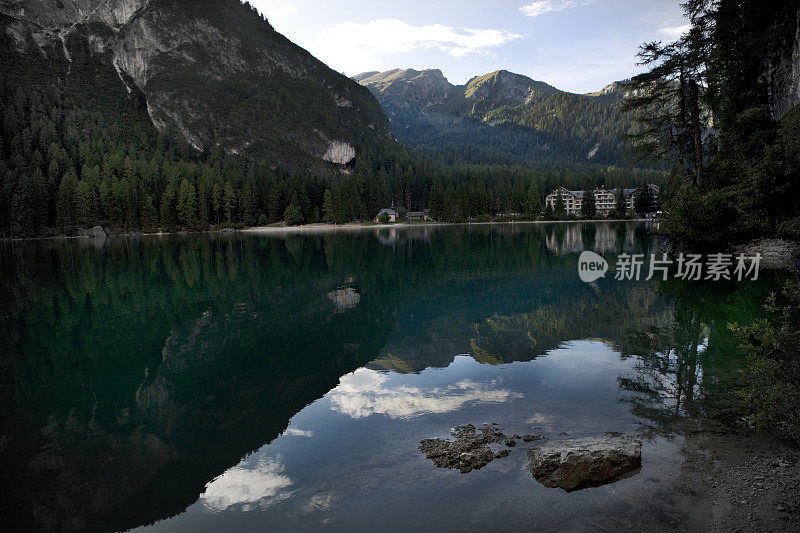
(283, 381)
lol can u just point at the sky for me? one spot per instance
(575, 45)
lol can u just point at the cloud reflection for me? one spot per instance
(248, 487)
(365, 392)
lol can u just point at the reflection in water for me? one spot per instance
(365, 392)
(248, 487)
(344, 299)
(135, 372)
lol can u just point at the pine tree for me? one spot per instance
(64, 204)
(228, 200)
(148, 210)
(187, 204)
(620, 208)
(588, 206)
(560, 210)
(216, 201)
(82, 206)
(645, 201)
(327, 207)
(436, 201)
(534, 204)
(293, 214)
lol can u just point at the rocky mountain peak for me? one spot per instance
(213, 72)
(423, 88)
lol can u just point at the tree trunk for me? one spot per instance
(696, 133)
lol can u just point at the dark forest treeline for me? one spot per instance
(63, 167)
(708, 106)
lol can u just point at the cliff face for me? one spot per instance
(782, 70)
(408, 87)
(212, 72)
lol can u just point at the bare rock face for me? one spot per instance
(408, 87)
(339, 153)
(776, 254)
(588, 462)
(213, 73)
(782, 71)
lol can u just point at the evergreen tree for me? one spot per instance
(228, 200)
(293, 214)
(560, 210)
(148, 210)
(588, 206)
(216, 201)
(327, 207)
(533, 205)
(187, 205)
(83, 204)
(620, 208)
(644, 202)
(65, 203)
(436, 201)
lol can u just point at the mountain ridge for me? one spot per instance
(217, 73)
(541, 122)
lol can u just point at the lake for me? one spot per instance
(283, 381)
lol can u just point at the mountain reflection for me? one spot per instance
(135, 372)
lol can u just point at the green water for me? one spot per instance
(283, 381)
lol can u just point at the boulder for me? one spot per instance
(588, 462)
(96, 232)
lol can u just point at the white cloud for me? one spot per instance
(298, 432)
(365, 392)
(541, 7)
(674, 32)
(275, 9)
(356, 47)
(245, 487)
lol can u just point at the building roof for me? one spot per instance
(389, 212)
(625, 192)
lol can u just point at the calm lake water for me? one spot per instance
(282, 382)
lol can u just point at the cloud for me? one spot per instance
(365, 392)
(298, 432)
(541, 7)
(275, 9)
(247, 487)
(674, 32)
(583, 67)
(356, 47)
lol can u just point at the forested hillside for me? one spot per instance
(503, 118)
(106, 118)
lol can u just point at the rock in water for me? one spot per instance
(469, 451)
(96, 232)
(588, 462)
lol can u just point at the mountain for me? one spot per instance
(213, 73)
(408, 87)
(502, 117)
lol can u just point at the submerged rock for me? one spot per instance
(588, 462)
(469, 451)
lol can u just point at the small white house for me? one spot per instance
(393, 215)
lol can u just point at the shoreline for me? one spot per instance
(322, 227)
